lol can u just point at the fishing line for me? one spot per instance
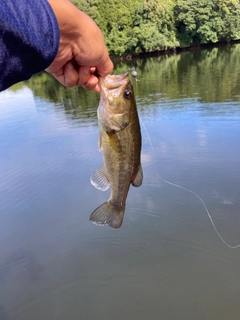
(188, 190)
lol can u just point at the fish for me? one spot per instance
(120, 141)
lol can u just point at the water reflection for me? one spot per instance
(199, 76)
(166, 261)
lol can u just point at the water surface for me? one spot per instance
(166, 261)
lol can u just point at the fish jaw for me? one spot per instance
(113, 109)
(112, 82)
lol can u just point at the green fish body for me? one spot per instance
(120, 142)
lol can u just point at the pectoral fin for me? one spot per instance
(99, 179)
(137, 181)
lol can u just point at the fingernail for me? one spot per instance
(86, 70)
(70, 66)
(68, 83)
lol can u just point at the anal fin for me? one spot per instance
(137, 182)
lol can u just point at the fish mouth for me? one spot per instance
(113, 81)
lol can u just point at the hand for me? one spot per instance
(82, 50)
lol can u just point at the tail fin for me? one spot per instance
(108, 214)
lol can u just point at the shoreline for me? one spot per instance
(134, 56)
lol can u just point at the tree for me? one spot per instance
(230, 12)
(204, 21)
(153, 27)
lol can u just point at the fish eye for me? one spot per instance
(127, 94)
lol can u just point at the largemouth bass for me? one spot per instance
(120, 142)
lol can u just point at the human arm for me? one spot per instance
(30, 42)
(82, 50)
(29, 39)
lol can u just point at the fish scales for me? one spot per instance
(120, 142)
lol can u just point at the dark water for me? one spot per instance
(167, 261)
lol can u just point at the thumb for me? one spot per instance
(105, 67)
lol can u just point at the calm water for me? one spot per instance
(166, 261)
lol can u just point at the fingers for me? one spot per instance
(81, 77)
(71, 75)
(84, 77)
(66, 75)
(106, 67)
(82, 49)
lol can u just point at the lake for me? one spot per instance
(173, 257)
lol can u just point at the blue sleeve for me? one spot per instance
(29, 39)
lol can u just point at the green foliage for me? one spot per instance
(90, 7)
(153, 27)
(193, 74)
(135, 26)
(77, 102)
(231, 16)
(117, 40)
(204, 21)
